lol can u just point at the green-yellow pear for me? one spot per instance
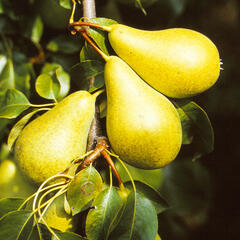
(143, 126)
(12, 182)
(48, 144)
(177, 62)
(56, 216)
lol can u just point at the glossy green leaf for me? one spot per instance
(101, 217)
(9, 205)
(153, 178)
(138, 220)
(100, 36)
(64, 82)
(65, 44)
(84, 71)
(46, 86)
(197, 127)
(18, 127)
(157, 200)
(16, 225)
(83, 189)
(14, 104)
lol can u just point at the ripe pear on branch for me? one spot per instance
(48, 144)
(177, 62)
(143, 126)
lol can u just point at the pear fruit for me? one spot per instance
(48, 144)
(56, 216)
(12, 182)
(143, 126)
(177, 62)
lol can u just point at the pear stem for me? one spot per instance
(90, 24)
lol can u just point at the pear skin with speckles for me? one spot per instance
(143, 126)
(177, 62)
(49, 143)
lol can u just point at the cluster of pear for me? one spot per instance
(143, 126)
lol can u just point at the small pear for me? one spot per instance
(177, 62)
(143, 126)
(48, 144)
(56, 216)
(12, 182)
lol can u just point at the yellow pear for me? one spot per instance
(48, 144)
(177, 62)
(12, 182)
(143, 126)
(56, 216)
(157, 237)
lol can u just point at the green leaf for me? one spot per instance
(6, 74)
(157, 200)
(100, 36)
(65, 44)
(196, 125)
(88, 53)
(84, 71)
(22, 75)
(83, 189)
(14, 104)
(64, 82)
(66, 3)
(100, 219)
(46, 86)
(18, 127)
(138, 220)
(37, 29)
(152, 178)
(9, 205)
(69, 236)
(16, 225)
(187, 187)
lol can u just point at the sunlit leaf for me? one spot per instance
(101, 217)
(46, 86)
(64, 82)
(100, 36)
(138, 221)
(7, 74)
(66, 3)
(18, 127)
(37, 29)
(16, 225)
(14, 104)
(9, 205)
(197, 126)
(83, 189)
